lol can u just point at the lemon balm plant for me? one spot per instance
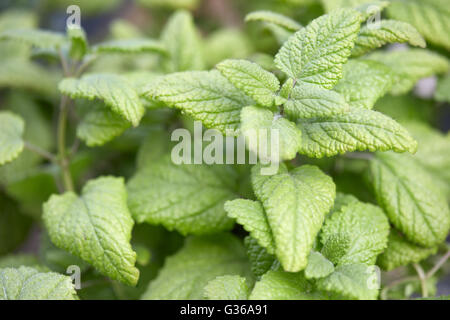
(357, 193)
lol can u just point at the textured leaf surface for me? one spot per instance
(227, 288)
(279, 285)
(430, 17)
(388, 31)
(364, 82)
(261, 261)
(259, 125)
(205, 95)
(100, 125)
(27, 283)
(352, 281)
(79, 45)
(296, 203)
(202, 259)
(130, 46)
(253, 80)
(273, 18)
(187, 198)
(365, 226)
(250, 214)
(310, 101)
(411, 199)
(116, 92)
(315, 54)
(11, 132)
(318, 266)
(401, 252)
(95, 227)
(39, 38)
(182, 41)
(358, 129)
(410, 66)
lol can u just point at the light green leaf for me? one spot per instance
(295, 203)
(20, 259)
(401, 252)
(95, 227)
(413, 202)
(100, 125)
(409, 66)
(443, 90)
(188, 198)
(39, 38)
(279, 285)
(183, 43)
(316, 54)
(227, 288)
(79, 45)
(342, 200)
(201, 260)
(27, 283)
(331, 5)
(352, 281)
(116, 92)
(258, 126)
(430, 17)
(205, 95)
(261, 261)
(250, 214)
(11, 136)
(253, 80)
(364, 82)
(365, 226)
(387, 31)
(311, 101)
(358, 129)
(130, 46)
(318, 266)
(274, 18)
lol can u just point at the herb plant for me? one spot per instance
(363, 177)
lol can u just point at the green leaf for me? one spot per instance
(95, 227)
(205, 95)
(11, 136)
(20, 259)
(295, 203)
(258, 126)
(274, 18)
(100, 125)
(231, 287)
(342, 200)
(253, 80)
(79, 45)
(130, 46)
(183, 43)
(364, 82)
(331, 5)
(430, 17)
(202, 259)
(188, 198)
(311, 101)
(358, 129)
(39, 38)
(352, 281)
(443, 90)
(279, 285)
(261, 261)
(316, 54)
(27, 283)
(388, 31)
(250, 214)
(411, 199)
(401, 252)
(318, 266)
(409, 66)
(365, 226)
(116, 92)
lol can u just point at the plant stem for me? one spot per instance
(43, 153)
(423, 279)
(438, 265)
(384, 291)
(62, 154)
